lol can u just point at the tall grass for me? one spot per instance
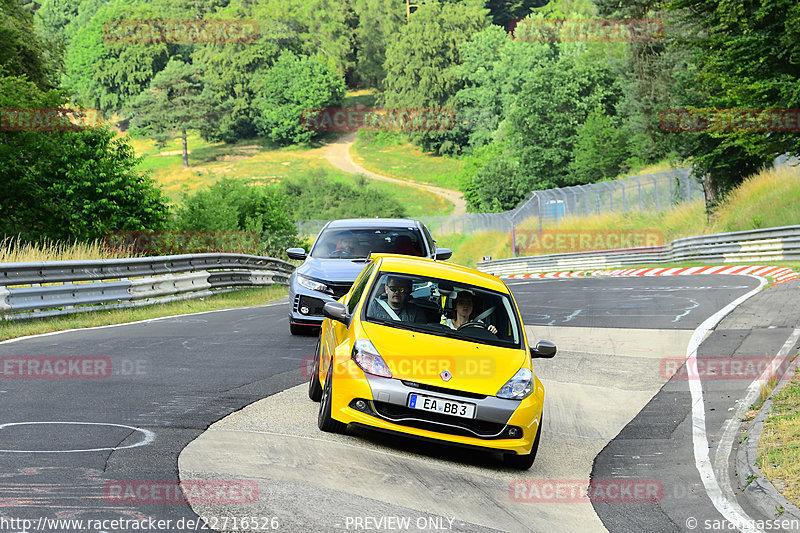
(767, 199)
(12, 251)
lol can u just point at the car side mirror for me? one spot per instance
(336, 311)
(296, 253)
(543, 350)
(443, 254)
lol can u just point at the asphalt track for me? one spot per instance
(609, 405)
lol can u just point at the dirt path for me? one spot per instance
(338, 154)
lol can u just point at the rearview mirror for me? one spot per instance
(296, 253)
(543, 350)
(336, 311)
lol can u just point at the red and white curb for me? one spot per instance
(778, 274)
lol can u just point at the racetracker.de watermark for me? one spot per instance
(717, 368)
(55, 366)
(375, 118)
(441, 367)
(567, 241)
(146, 242)
(180, 492)
(753, 120)
(48, 119)
(180, 31)
(586, 30)
(585, 491)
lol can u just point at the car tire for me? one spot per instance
(524, 462)
(324, 420)
(314, 386)
(297, 330)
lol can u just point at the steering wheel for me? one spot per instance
(339, 252)
(472, 324)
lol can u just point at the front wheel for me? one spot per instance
(314, 386)
(324, 420)
(524, 462)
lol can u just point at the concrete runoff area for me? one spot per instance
(315, 481)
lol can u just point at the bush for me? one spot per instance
(231, 205)
(601, 149)
(321, 197)
(291, 87)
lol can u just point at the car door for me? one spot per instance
(338, 333)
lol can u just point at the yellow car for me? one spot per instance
(431, 350)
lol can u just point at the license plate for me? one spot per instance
(442, 406)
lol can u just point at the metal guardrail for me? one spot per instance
(47, 288)
(769, 244)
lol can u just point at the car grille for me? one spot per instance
(339, 289)
(442, 390)
(415, 418)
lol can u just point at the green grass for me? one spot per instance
(469, 249)
(257, 162)
(779, 443)
(239, 298)
(392, 155)
(365, 97)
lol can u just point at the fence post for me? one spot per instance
(655, 191)
(639, 183)
(610, 195)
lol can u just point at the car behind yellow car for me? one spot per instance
(431, 350)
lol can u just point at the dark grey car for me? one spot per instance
(338, 255)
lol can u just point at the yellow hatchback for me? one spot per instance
(432, 350)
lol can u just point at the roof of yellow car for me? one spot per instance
(407, 264)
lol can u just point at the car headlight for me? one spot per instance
(518, 387)
(369, 360)
(309, 283)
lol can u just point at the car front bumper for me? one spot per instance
(385, 407)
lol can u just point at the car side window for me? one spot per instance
(358, 290)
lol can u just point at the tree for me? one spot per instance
(601, 148)
(543, 125)
(24, 51)
(746, 57)
(293, 86)
(378, 23)
(233, 71)
(104, 70)
(420, 64)
(326, 31)
(505, 11)
(54, 16)
(176, 101)
(67, 185)
(493, 69)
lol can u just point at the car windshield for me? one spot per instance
(443, 307)
(339, 243)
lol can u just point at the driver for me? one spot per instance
(396, 306)
(464, 303)
(346, 245)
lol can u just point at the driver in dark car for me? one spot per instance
(345, 246)
(464, 304)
